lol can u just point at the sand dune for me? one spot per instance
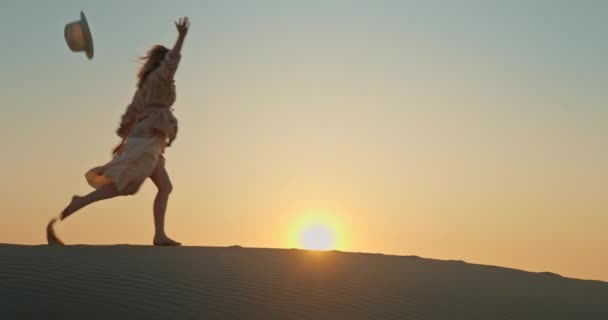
(144, 282)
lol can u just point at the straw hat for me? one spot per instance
(78, 36)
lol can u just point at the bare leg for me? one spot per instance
(162, 182)
(106, 192)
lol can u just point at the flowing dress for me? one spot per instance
(147, 127)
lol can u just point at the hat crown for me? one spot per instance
(78, 36)
(74, 36)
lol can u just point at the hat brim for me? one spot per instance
(87, 35)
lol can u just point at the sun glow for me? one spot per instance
(317, 232)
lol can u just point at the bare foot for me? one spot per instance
(50, 234)
(71, 208)
(165, 241)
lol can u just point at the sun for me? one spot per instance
(317, 232)
(317, 237)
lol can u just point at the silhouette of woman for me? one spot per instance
(147, 128)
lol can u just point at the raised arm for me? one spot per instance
(182, 29)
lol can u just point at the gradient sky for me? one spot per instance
(469, 130)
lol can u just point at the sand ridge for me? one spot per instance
(146, 282)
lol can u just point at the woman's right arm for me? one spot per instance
(129, 118)
(126, 124)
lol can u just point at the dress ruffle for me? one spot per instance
(135, 163)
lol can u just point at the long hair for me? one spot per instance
(150, 61)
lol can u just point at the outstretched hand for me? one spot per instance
(182, 26)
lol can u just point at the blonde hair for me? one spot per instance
(150, 62)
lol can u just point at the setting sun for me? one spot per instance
(317, 237)
(317, 232)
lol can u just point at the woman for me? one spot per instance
(147, 128)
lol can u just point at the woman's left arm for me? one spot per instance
(182, 29)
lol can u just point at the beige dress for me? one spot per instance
(147, 127)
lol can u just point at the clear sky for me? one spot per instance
(469, 130)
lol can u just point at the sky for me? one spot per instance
(469, 130)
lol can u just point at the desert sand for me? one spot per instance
(145, 282)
